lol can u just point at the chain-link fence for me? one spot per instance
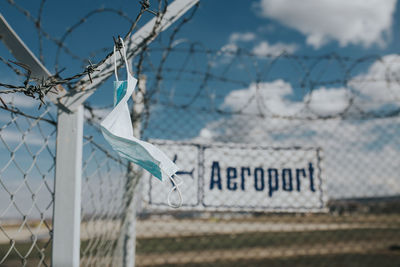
(28, 139)
(287, 160)
(103, 206)
(107, 199)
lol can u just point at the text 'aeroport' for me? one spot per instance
(261, 179)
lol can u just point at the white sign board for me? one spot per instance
(187, 158)
(242, 177)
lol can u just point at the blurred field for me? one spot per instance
(275, 240)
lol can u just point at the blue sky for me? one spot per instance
(312, 28)
(306, 28)
(216, 21)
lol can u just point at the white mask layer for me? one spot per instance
(117, 130)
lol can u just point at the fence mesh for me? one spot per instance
(108, 181)
(27, 182)
(103, 206)
(288, 160)
(245, 128)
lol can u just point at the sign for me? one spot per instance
(186, 156)
(243, 177)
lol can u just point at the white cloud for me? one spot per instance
(241, 37)
(329, 102)
(29, 138)
(20, 101)
(205, 134)
(373, 90)
(96, 114)
(264, 49)
(263, 97)
(380, 84)
(364, 22)
(229, 48)
(225, 54)
(351, 149)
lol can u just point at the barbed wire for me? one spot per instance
(215, 68)
(209, 82)
(41, 88)
(188, 86)
(164, 76)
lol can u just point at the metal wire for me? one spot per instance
(241, 110)
(104, 179)
(27, 185)
(26, 222)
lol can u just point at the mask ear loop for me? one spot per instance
(175, 188)
(124, 56)
(115, 65)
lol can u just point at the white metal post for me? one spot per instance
(174, 11)
(67, 195)
(67, 190)
(23, 54)
(67, 206)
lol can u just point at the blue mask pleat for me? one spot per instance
(132, 151)
(119, 90)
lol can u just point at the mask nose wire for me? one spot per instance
(176, 183)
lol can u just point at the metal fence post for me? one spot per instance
(67, 199)
(23, 54)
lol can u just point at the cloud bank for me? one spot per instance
(360, 22)
(260, 48)
(264, 48)
(359, 155)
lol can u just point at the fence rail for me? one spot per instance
(287, 159)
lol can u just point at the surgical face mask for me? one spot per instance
(117, 130)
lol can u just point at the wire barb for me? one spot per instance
(118, 45)
(146, 6)
(89, 70)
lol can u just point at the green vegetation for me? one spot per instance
(40, 251)
(271, 239)
(346, 260)
(388, 255)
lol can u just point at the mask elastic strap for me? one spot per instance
(124, 56)
(175, 187)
